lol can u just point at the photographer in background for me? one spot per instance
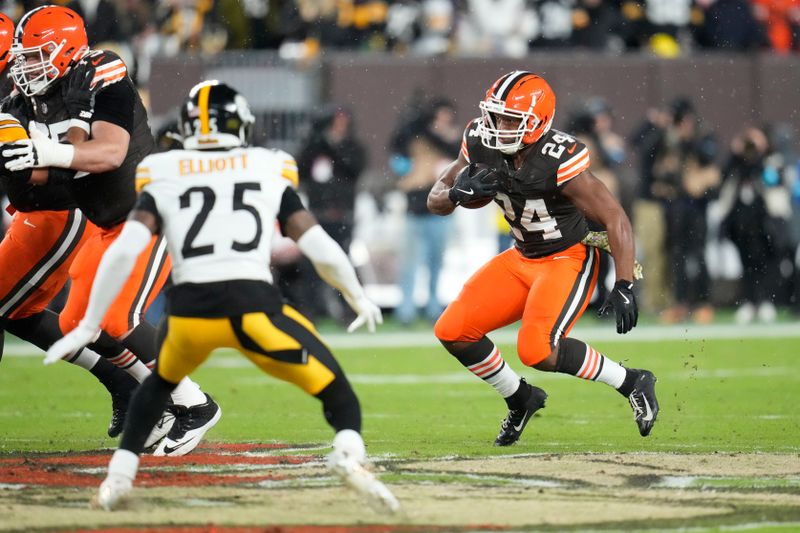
(329, 165)
(592, 124)
(430, 140)
(757, 206)
(685, 178)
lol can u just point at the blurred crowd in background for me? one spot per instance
(695, 203)
(692, 202)
(141, 29)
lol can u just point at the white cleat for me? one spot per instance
(364, 482)
(161, 429)
(191, 424)
(113, 490)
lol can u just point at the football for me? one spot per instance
(479, 202)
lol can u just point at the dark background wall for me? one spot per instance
(729, 91)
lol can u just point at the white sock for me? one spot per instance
(131, 364)
(123, 463)
(347, 444)
(598, 367)
(85, 358)
(138, 371)
(494, 371)
(188, 393)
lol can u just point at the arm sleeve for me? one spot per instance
(290, 204)
(331, 262)
(115, 104)
(60, 176)
(114, 269)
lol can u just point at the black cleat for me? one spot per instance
(119, 408)
(191, 424)
(643, 401)
(121, 391)
(517, 419)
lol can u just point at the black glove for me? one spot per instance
(623, 301)
(77, 92)
(474, 182)
(23, 175)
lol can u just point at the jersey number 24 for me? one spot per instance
(535, 208)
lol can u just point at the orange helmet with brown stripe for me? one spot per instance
(522, 96)
(6, 38)
(47, 42)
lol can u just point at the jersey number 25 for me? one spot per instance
(209, 199)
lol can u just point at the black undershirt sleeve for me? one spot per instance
(60, 176)
(115, 104)
(290, 204)
(147, 203)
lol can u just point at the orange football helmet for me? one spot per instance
(519, 95)
(6, 36)
(47, 42)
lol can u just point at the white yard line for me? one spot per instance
(466, 377)
(604, 333)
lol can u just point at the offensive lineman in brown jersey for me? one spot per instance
(539, 177)
(36, 252)
(91, 138)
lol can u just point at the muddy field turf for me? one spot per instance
(725, 454)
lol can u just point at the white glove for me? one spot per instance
(368, 313)
(72, 342)
(40, 151)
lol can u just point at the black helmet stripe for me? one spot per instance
(213, 113)
(510, 81)
(24, 21)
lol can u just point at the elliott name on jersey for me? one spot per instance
(218, 209)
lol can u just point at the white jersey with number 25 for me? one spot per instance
(218, 209)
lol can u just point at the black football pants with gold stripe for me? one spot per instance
(284, 345)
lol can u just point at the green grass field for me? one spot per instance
(722, 395)
(717, 397)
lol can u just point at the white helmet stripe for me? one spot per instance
(510, 81)
(24, 21)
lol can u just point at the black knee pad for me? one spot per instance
(473, 354)
(570, 357)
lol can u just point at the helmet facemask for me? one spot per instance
(33, 70)
(506, 141)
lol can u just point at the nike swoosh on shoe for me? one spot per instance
(649, 416)
(168, 450)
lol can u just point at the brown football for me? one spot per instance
(476, 204)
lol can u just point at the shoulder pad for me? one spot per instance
(109, 68)
(288, 168)
(469, 137)
(281, 162)
(149, 168)
(573, 159)
(10, 129)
